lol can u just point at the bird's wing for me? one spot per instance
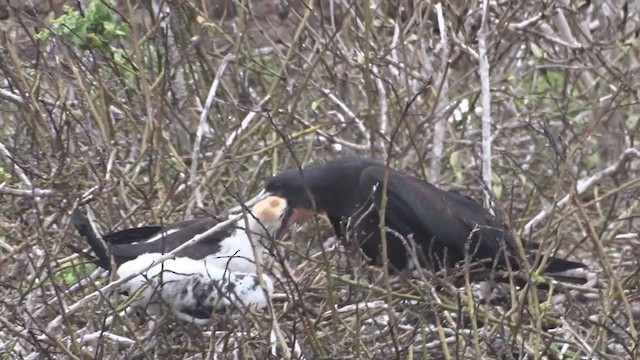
(169, 238)
(128, 236)
(417, 207)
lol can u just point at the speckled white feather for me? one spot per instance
(192, 289)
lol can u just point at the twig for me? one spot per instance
(6, 246)
(382, 95)
(330, 138)
(21, 174)
(582, 186)
(5, 190)
(562, 24)
(615, 285)
(199, 133)
(243, 126)
(628, 236)
(107, 335)
(11, 96)
(394, 50)
(439, 127)
(275, 327)
(485, 82)
(467, 49)
(549, 34)
(351, 114)
(525, 23)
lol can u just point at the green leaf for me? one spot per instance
(592, 160)
(556, 80)
(537, 278)
(545, 306)
(97, 28)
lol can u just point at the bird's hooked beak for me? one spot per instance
(298, 216)
(288, 216)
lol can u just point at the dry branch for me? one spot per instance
(583, 185)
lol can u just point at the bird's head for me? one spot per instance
(271, 214)
(295, 190)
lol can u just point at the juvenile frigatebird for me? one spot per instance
(205, 277)
(445, 225)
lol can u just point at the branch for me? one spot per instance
(201, 127)
(21, 174)
(382, 94)
(106, 335)
(244, 124)
(583, 185)
(351, 114)
(560, 21)
(486, 104)
(438, 131)
(5, 190)
(11, 97)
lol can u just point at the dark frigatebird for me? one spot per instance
(206, 277)
(448, 227)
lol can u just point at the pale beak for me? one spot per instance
(249, 203)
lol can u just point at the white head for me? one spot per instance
(269, 215)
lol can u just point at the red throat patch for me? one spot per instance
(299, 215)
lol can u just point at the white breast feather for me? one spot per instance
(192, 289)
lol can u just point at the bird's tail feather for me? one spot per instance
(85, 229)
(558, 265)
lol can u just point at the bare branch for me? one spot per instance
(35, 193)
(201, 128)
(439, 127)
(485, 83)
(583, 185)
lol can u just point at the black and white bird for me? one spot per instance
(448, 227)
(208, 276)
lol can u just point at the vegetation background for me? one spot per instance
(156, 111)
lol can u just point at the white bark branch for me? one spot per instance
(486, 104)
(359, 123)
(583, 185)
(198, 141)
(5, 190)
(439, 127)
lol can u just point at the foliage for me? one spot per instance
(97, 28)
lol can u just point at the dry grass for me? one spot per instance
(202, 111)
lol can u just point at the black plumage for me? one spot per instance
(446, 225)
(128, 244)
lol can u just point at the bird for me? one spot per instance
(204, 278)
(447, 226)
